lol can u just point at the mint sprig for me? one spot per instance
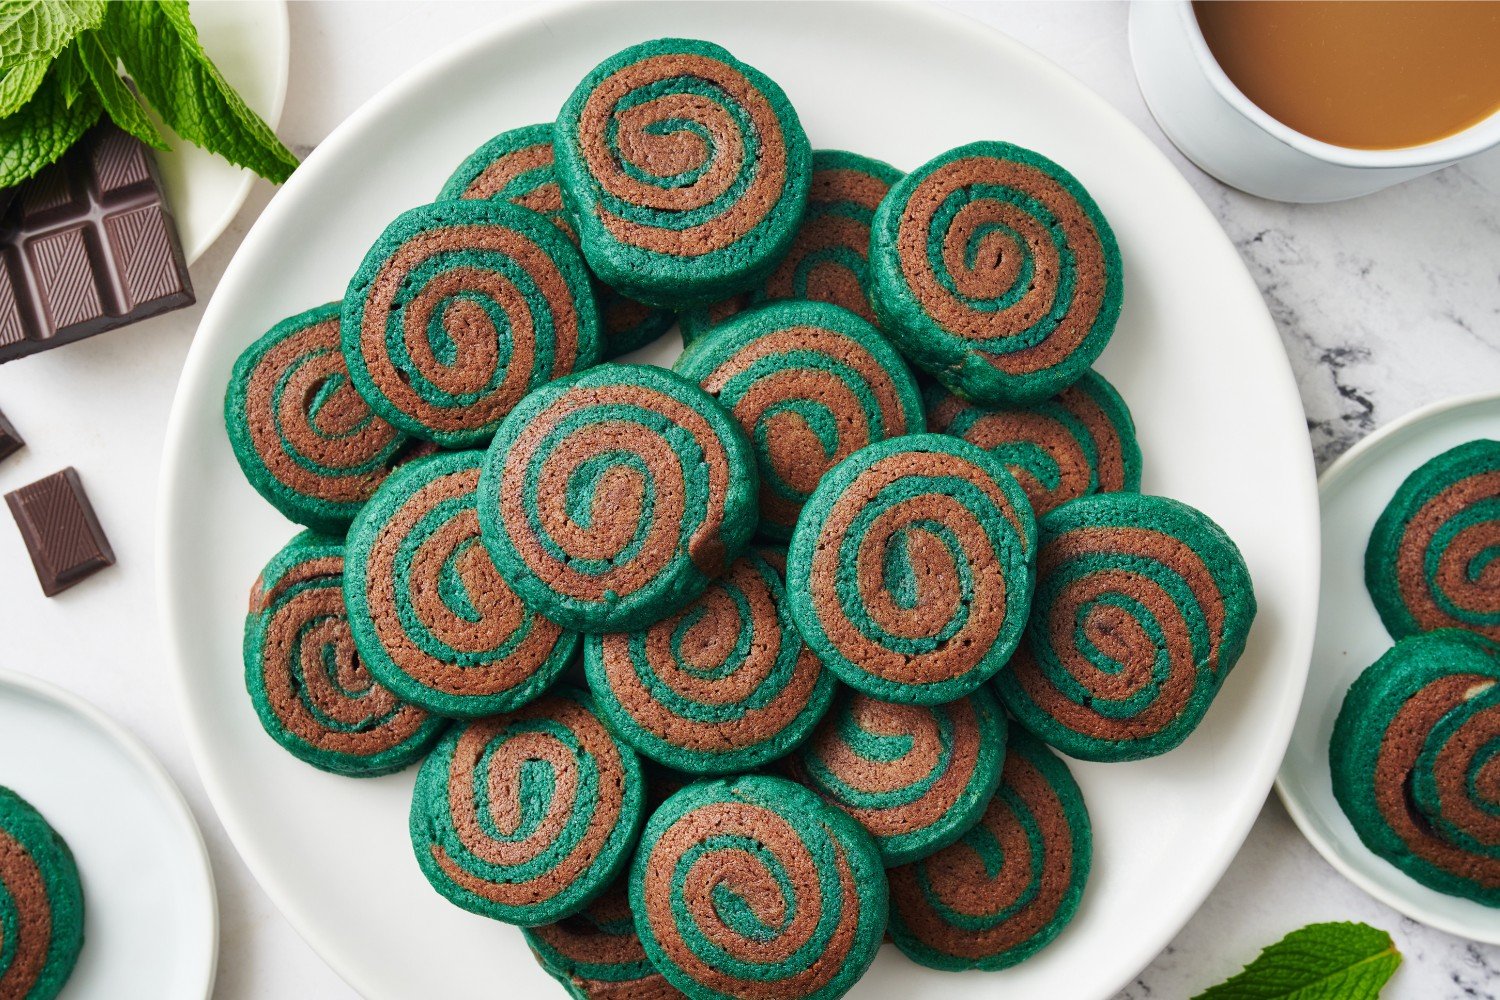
(1337, 961)
(60, 64)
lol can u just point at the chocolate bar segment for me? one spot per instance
(87, 245)
(60, 530)
(10, 441)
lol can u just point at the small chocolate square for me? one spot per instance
(10, 441)
(60, 530)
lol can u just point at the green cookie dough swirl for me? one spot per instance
(723, 685)
(432, 619)
(460, 309)
(1415, 759)
(910, 570)
(41, 904)
(1009, 885)
(810, 384)
(527, 817)
(612, 498)
(829, 257)
(994, 270)
(916, 777)
(685, 171)
(312, 691)
(754, 887)
(1434, 557)
(1142, 607)
(597, 955)
(305, 439)
(516, 166)
(1080, 441)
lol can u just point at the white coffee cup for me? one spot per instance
(1218, 128)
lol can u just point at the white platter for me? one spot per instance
(151, 929)
(1196, 355)
(1354, 490)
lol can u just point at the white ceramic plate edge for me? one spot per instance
(1283, 395)
(1345, 465)
(170, 794)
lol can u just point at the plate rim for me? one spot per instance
(170, 794)
(1299, 639)
(1333, 477)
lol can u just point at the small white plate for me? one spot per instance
(1350, 637)
(250, 43)
(151, 923)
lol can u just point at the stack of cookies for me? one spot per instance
(722, 674)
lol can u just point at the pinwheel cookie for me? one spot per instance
(41, 904)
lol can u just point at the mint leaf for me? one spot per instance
(160, 48)
(1341, 961)
(17, 86)
(32, 34)
(119, 103)
(43, 130)
(71, 76)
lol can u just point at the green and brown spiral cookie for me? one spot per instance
(527, 817)
(597, 955)
(1142, 606)
(910, 570)
(305, 439)
(432, 619)
(1080, 441)
(516, 166)
(1434, 557)
(1009, 885)
(993, 269)
(754, 887)
(313, 693)
(41, 904)
(1415, 759)
(726, 684)
(685, 172)
(459, 310)
(810, 384)
(612, 498)
(916, 777)
(829, 257)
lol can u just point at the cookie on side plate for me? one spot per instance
(41, 904)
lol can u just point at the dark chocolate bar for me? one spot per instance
(10, 441)
(87, 245)
(60, 530)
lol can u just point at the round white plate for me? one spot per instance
(1354, 490)
(1196, 355)
(151, 926)
(250, 43)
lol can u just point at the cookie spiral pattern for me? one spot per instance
(723, 685)
(41, 904)
(597, 955)
(1011, 884)
(916, 777)
(312, 691)
(1142, 607)
(460, 309)
(910, 570)
(810, 384)
(305, 439)
(994, 270)
(527, 817)
(432, 619)
(612, 498)
(516, 166)
(1434, 557)
(686, 171)
(1415, 759)
(1080, 441)
(754, 888)
(829, 257)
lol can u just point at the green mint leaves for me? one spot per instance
(1319, 962)
(60, 69)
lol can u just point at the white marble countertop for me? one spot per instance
(1385, 304)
